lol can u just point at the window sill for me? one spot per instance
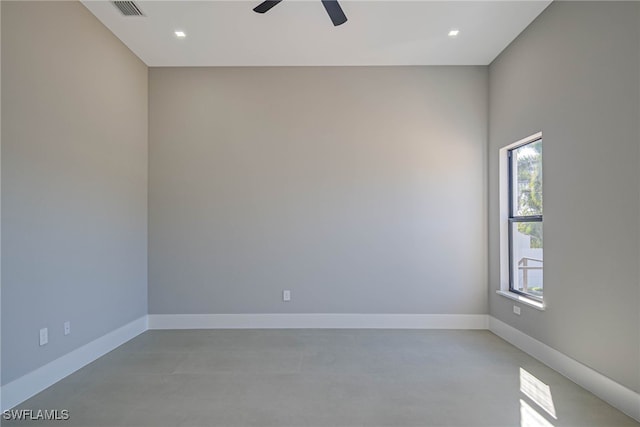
(524, 300)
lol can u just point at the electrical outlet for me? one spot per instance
(67, 327)
(516, 310)
(44, 336)
(286, 295)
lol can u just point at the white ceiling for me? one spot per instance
(294, 32)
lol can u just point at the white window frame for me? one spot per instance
(504, 226)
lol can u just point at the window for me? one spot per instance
(524, 174)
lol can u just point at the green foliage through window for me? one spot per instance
(528, 177)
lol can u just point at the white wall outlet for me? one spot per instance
(67, 327)
(44, 336)
(286, 295)
(516, 310)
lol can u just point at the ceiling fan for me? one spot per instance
(332, 7)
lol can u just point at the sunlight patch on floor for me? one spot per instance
(538, 392)
(529, 417)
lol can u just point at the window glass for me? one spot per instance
(525, 219)
(527, 257)
(526, 179)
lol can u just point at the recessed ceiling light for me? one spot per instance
(454, 33)
(180, 34)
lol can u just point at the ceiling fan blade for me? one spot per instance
(335, 12)
(265, 6)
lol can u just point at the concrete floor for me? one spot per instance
(321, 378)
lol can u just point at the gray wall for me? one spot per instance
(573, 74)
(0, 202)
(362, 190)
(74, 182)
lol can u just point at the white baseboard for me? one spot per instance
(617, 395)
(318, 321)
(34, 382)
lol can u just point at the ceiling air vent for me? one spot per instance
(128, 8)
